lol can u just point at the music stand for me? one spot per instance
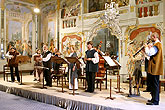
(73, 60)
(22, 60)
(59, 60)
(41, 67)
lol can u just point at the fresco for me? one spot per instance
(51, 31)
(72, 40)
(50, 9)
(18, 8)
(98, 5)
(14, 31)
(70, 9)
(140, 36)
(30, 31)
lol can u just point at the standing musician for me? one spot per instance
(73, 71)
(155, 67)
(38, 62)
(56, 66)
(92, 59)
(12, 54)
(46, 59)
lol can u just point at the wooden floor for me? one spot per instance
(98, 97)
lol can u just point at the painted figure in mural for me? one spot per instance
(73, 70)
(134, 64)
(63, 11)
(51, 48)
(29, 49)
(94, 5)
(18, 46)
(38, 75)
(24, 48)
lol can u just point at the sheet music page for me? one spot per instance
(118, 62)
(109, 61)
(81, 60)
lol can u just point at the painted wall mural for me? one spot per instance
(98, 5)
(17, 8)
(72, 40)
(70, 9)
(14, 31)
(30, 31)
(140, 36)
(51, 31)
(50, 9)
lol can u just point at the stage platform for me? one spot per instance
(84, 101)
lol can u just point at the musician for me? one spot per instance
(92, 59)
(12, 54)
(148, 88)
(38, 62)
(46, 59)
(73, 71)
(56, 66)
(155, 67)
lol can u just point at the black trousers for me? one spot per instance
(90, 78)
(16, 73)
(48, 79)
(155, 88)
(148, 82)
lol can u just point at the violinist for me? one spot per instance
(11, 55)
(38, 75)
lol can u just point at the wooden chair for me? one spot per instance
(59, 74)
(6, 71)
(160, 82)
(82, 77)
(101, 77)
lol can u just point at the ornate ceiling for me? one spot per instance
(34, 1)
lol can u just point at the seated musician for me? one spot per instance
(38, 71)
(73, 71)
(56, 66)
(11, 55)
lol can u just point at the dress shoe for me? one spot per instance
(46, 85)
(149, 100)
(151, 103)
(134, 86)
(87, 90)
(146, 91)
(35, 80)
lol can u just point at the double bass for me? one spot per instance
(102, 69)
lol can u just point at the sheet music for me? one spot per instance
(81, 61)
(118, 62)
(109, 61)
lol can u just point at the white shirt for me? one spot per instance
(47, 57)
(96, 59)
(8, 56)
(152, 51)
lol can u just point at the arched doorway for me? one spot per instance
(110, 42)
